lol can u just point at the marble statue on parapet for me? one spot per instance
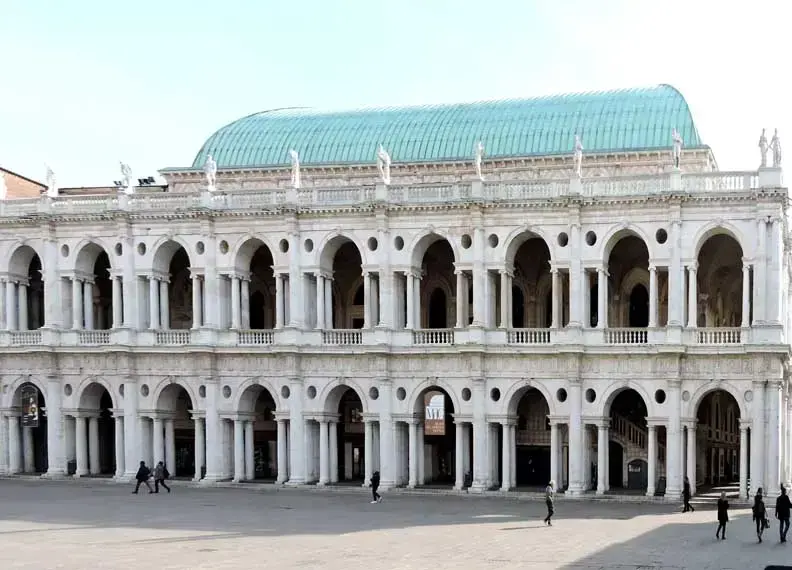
(52, 185)
(775, 146)
(295, 166)
(210, 171)
(383, 165)
(479, 150)
(578, 157)
(126, 173)
(3, 187)
(677, 141)
(763, 147)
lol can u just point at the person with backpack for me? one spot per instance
(723, 516)
(760, 514)
(375, 481)
(160, 474)
(143, 475)
(783, 508)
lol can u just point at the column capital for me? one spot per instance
(558, 420)
(652, 267)
(690, 423)
(198, 414)
(602, 422)
(693, 266)
(117, 412)
(745, 424)
(506, 272)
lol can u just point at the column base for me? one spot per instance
(505, 489)
(212, 479)
(599, 492)
(478, 487)
(54, 474)
(650, 492)
(295, 482)
(575, 492)
(79, 475)
(123, 479)
(322, 484)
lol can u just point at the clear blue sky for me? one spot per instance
(87, 83)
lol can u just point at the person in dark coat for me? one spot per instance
(783, 509)
(550, 502)
(143, 475)
(723, 516)
(160, 475)
(375, 481)
(759, 514)
(686, 497)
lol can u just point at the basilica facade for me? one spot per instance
(456, 295)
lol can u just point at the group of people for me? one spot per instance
(160, 475)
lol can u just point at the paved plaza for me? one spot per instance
(74, 526)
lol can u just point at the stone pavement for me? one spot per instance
(78, 526)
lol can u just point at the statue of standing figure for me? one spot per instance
(677, 141)
(479, 150)
(763, 149)
(775, 146)
(383, 165)
(295, 165)
(578, 157)
(52, 185)
(210, 171)
(126, 173)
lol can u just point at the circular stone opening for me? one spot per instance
(563, 239)
(144, 390)
(466, 394)
(660, 396)
(308, 245)
(401, 394)
(493, 240)
(311, 392)
(661, 236)
(119, 249)
(65, 250)
(121, 390)
(398, 243)
(202, 391)
(283, 245)
(561, 395)
(373, 244)
(199, 247)
(285, 392)
(591, 395)
(67, 389)
(466, 241)
(141, 248)
(373, 393)
(495, 394)
(226, 392)
(224, 247)
(591, 238)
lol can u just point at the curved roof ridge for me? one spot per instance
(636, 118)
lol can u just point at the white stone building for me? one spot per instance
(620, 329)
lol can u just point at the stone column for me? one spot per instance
(239, 450)
(417, 298)
(386, 435)
(772, 479)
(236, 315)
(691, 456)
(3, 283)
(461, 298)
(481, 467)
(320, 299)
(296, 439)
(282, 453)
(674, 441)
(200, 443)
(250, 465)
(652, 461)
(132, 455)
(88, 305)
(333, 439)
(245, 300)
(56, 461)
(692, 296)
(774, 280)
(324, 452)
(602, 456)
(410, 301)
(369, 451)
(556, 307)
(164, 301)
(744, 425)
(412, 454)
(197, 302)
(14, 445)
(506, 468)
(28, 451)
(576, 439)
(421, 454)
(279, 300)
(154, 303)
(3, 438)
(117, 301)
(93, 445)
(77, 304)
(555, 453)
(602, 298)
(23, 306)
(81, 444)
(746, 294)
(758, 442)
(119, 446)
(170, 445)
(366, 300)
(505, 316)
(158, 439)
(328, 305)
(652, 296)
(459, 453)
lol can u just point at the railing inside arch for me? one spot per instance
(626, 336)
(433, 337)
(528, 336)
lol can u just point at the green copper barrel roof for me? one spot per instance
(623, 120)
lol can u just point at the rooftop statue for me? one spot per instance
(763, 149)
(479, 150)
(676, 138)
(775, 146)
(210, 170)
(52, 185)
(578, 157)
(383, 164)
(126, 173)
(295, 175)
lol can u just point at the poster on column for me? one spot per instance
(434, 413)
(30, 409)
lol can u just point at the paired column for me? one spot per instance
(746, 295)
(507, 455)
(652, 461)
(366, 300)
(556, 308)
(555, 452)
(461, 298)
(245, 302)
(411, 301)
(119, 445)
(158, 439)
(602, 455)
(459, 463)
(28, 451)
(236, 313)
(239, 450)
(412, 454)
(602, 299)
(77, 304)
(118, 304)
(88, 304)
(93, 445)
(506, 296)
(164, 302)
(279, 301)
(154, 303)
(652, 296)
(14, 445)
(170, 446)
(320, 300)
(324, 449)
(197, 301)
(81, 445)
(250, 466)
(200, 443)
(369, 451)
(691, 456)
(692, 296)
(283, 459)
(744, 425)
(333, 437)
(758, 442)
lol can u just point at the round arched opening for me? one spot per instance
(719, 284)
(717, 442)
(92, 433)
(532, 442)
(436, 439)
(172, 433)
(257, 409)
(531, 293)
(628, 442)
(27, 432)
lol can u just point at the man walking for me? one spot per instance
(686, 497)
(782, 511)
(550, 502)
(375, 481)
(160, 474)
(142, 476)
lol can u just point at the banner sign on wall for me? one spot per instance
(434, 416)
(30, 409)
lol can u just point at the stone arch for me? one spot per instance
(615, 235)
(332, 243)
(703, 391)
(517, 390)
(20, 259)
(635, 276)
(246, 248)
(714, 228)
(417, 405)
(619, 386)
(248, 392)
(424, 240)
(164, 250)
(12, 396)
(332, 393)
(89, 393)
(166, 383)
(88, 251)
(518, 237)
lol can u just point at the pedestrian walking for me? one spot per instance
(723, 516)
(783, 509)
(375, 481)
(160, 475)
(550, 502)
(760, 514)
(143, 475)
(686, 497)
